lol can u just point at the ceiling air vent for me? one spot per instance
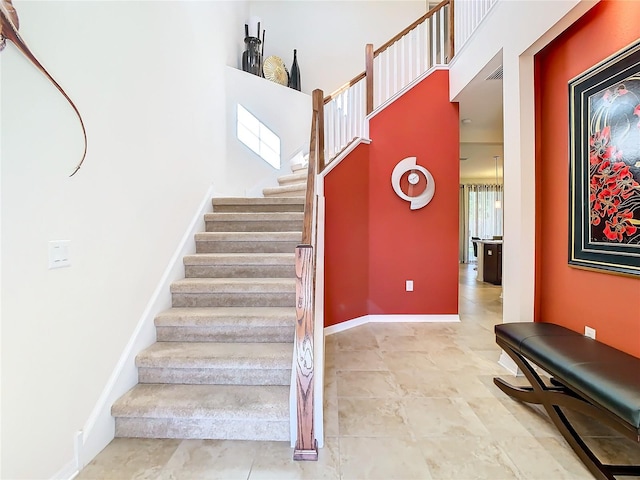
(496, 75)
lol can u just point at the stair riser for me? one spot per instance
(215, 376)
(294, 208)
(255, 205)
(257, 226)
(199, 428)
(239, 271)
(297, 193)
(293, 179)
(227, 334)
(245, 247)
(278, 299)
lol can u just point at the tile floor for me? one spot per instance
(403, 401)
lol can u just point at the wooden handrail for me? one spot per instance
(430, 13)
(317, 134)
(344, 87)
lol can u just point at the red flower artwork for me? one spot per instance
(614, 193)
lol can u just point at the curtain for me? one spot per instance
(479, 216)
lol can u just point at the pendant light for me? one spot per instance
(498, 203)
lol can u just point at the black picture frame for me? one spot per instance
(604, 167)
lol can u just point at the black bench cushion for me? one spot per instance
(607, 376)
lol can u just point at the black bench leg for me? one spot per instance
(551, 398)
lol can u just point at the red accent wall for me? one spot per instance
(400, 244)
(569, 296)
(346, 191)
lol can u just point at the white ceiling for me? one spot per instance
(481, 137)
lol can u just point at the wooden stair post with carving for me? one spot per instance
(306, 444)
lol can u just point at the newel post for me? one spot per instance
(368, 70)
(306, 444)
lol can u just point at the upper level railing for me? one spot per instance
(425, 43)
(469, 14)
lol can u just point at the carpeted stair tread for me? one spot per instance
(241, 324)
(232, 316)
(260, 204)
(293, 178)
(294, 190)
(234, 285)
(253, 216)
(219, 355)
(221, 402)
(294, 236)
(240, 259)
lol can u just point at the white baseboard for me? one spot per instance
(68, 472)
(99, 429)
(356, 322)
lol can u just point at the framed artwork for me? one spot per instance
(604, 177)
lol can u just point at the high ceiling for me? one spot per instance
(481, 125)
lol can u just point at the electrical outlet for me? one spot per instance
(409, 286)
(590, 332)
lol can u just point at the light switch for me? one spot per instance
(409, 286)
(59, 254)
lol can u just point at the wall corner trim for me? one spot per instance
(507, 362)
(68, 472)
(392, 318)
(99, 429)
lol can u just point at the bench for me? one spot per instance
(586, 376)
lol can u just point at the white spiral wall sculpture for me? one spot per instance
(409, 165)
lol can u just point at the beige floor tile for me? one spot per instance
(358, 338)
(360, 360)
(473, 385)
(374, 384)
(382, 330)
(130, 458)
(365, 458)
(274, 461)
(397, 360)
(496, 418)
(426, 383)
(330, 385)
(532, 460)
(565, 456)
(410, 343)
(532, 417)
(372, 417)
(210, 460)
(331, 423)
(466, 458)
(437, 417)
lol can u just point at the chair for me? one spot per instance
(475, 246)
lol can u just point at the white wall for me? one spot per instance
(330, 36)
(149, 80)
(285, 111)
(518, 29)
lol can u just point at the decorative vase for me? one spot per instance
(252, 57)
(294, 77)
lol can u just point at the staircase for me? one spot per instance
(221, 366)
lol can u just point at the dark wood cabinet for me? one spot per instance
(492, 268)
